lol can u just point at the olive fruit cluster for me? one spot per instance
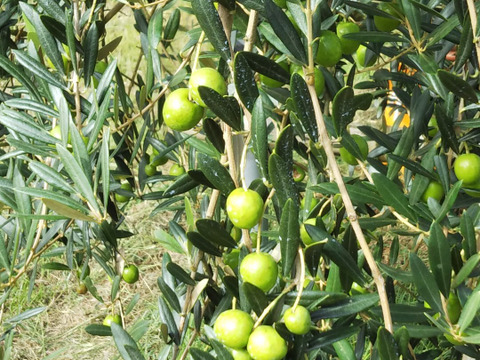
(234, 328)
(184, 108)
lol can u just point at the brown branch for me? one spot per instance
(473, 19)
(350, 210)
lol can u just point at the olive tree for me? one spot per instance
(372, 229)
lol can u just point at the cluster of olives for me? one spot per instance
(184, 108)
(236, 330)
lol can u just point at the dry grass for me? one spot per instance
(61, 326)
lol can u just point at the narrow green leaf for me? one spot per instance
(394, 197)
(466, 270)
(267, 67)
(469, 311)
(52, 8)
(104, 165)
(450, 198)
(441, 31)
(155, 28)
(226, 108)
(255, 297)
(51, 176)
(245, 81)
(420, 182)
(412, 14)
(38, 69)
(203, 147)
(168, 242)
(349, 143)
(386, 346)
(209, 20)
(71, 39)
(403, 149)
(4, 258)
(25, 315)
(203, 244)
(181, 185)
(98, 330)
(53, 195)
(379, 137)
(289, 236)
(214, 134)
(347, 307)
(359, 193)
(168, 319)
(32, 105)
(17, 73)
(376, 36)
(400, 275)
(216, 173)
(445, 125)
(220, 350)
(266, 30)
(439, 258)
(467, 229)
(415, 167)
(122, 341)
(169, 295)
(215, 232)
(282, 180)
(464, 51)
(55, 266)
(303, 105)
(284, 29)
(425, 282)
(23, 126)
(340, 256)
(403, 313)
(180, 274)
(76, 174)
(259, 137)
(198, 354)
(47, 41)
(332, 336)
(343, 109)
(284, 146)
(66, 211)
(457, 85)
(171, 28)
(90, 47)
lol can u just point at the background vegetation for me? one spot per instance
(389, 271)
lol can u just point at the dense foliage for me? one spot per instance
(374, 243)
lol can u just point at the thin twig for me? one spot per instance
(473, 19)
(350, 210)
(301, 258)
(272, 304)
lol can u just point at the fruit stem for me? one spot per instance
(198, 48)
(259, 229)
(243, 161)
(272, 305)
(302, 278)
